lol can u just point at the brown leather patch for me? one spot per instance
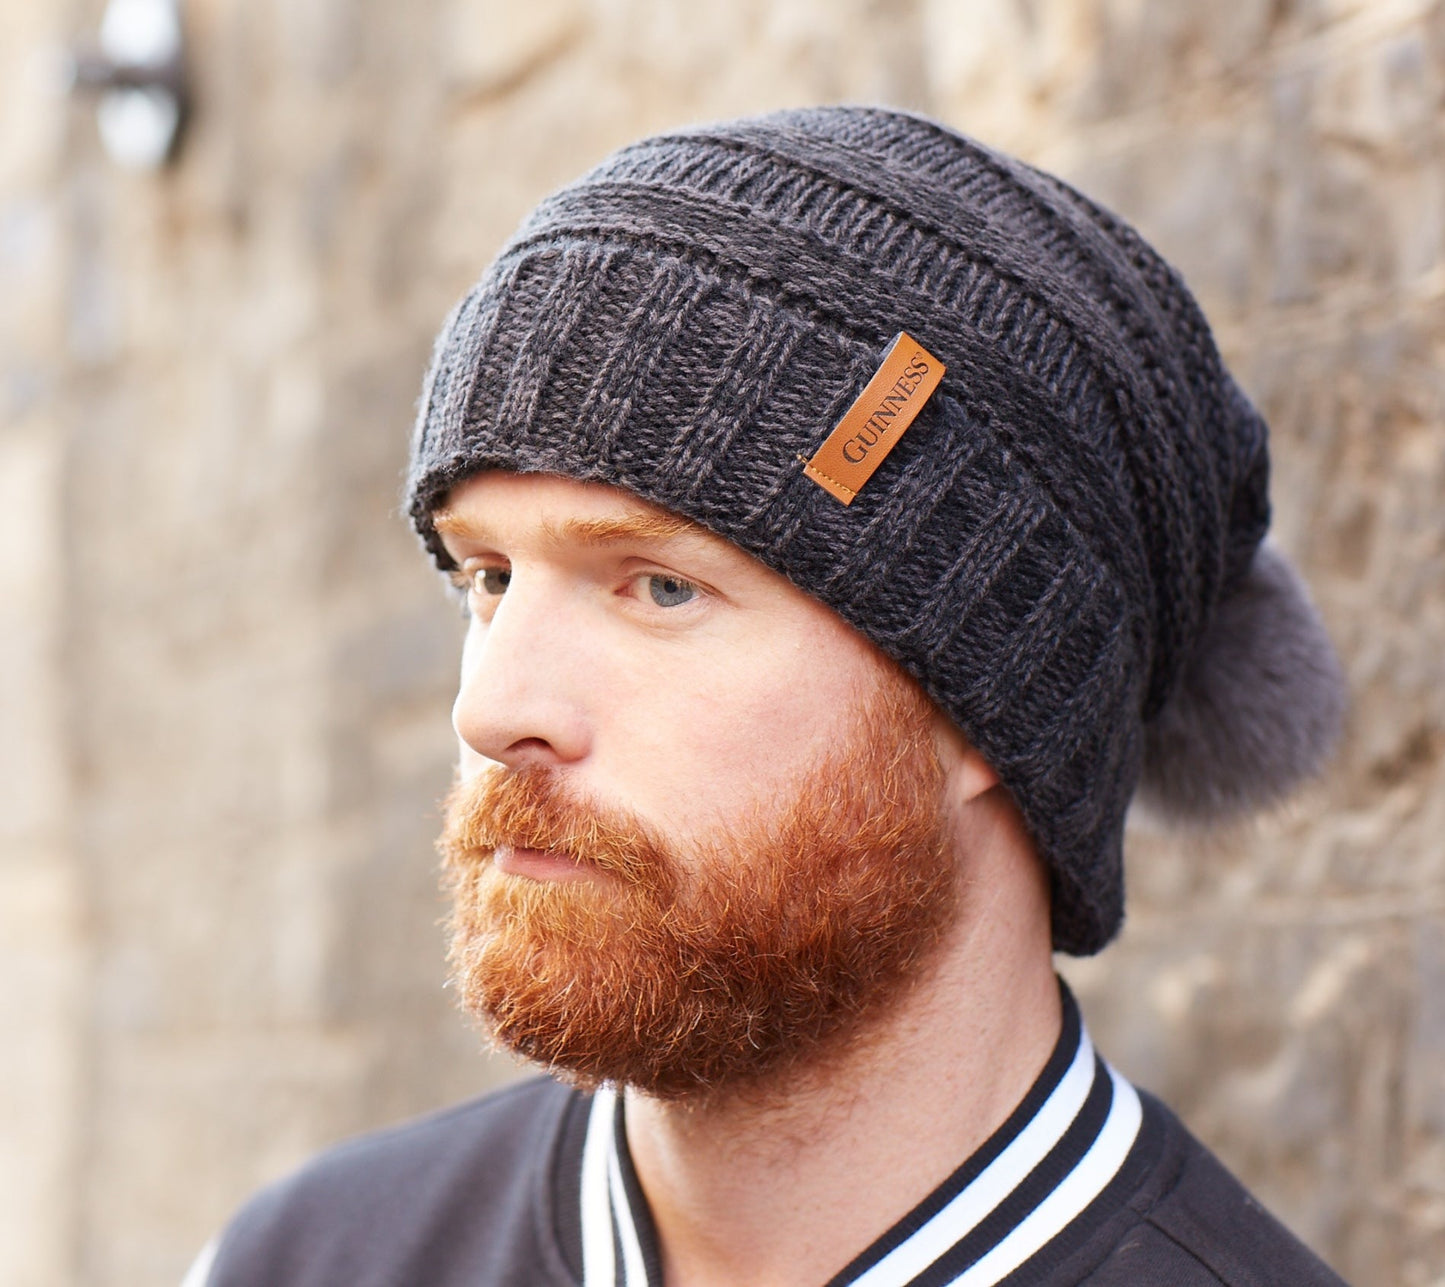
(872, 426)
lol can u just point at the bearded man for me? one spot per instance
(850, 520)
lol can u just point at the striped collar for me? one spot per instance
(1019, 1191)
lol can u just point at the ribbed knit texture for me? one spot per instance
(1045, 545)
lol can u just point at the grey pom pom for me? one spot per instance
(1257, 711)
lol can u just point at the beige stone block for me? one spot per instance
(32, 580)
(42, 959)
(486, 45)
(1013, 72)
(1344, 16)
(997, 68)
(33, 104)
(30, 246)
(1385, 94)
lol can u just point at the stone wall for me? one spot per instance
(225, 671)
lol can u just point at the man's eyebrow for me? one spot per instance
(632, 527)
(582, 531)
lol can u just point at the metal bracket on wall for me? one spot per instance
(137, 75)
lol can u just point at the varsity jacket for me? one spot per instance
(1089, 1181)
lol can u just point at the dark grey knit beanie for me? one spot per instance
(1064, 548)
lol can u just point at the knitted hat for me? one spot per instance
(1063, 548)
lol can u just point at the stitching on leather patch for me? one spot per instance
(906, 378)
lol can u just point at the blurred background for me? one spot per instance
(225, 669)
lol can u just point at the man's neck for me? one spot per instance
(787, 1188)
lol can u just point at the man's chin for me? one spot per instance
(593, 986)
(551, 985)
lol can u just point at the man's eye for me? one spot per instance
(670, 591)
(490, 581)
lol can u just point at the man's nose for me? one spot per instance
(524, 687)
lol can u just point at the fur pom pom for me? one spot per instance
(1256, 712)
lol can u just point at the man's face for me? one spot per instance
(696, 833)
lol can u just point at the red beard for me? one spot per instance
(683, 973)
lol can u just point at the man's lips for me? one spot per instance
(541, 864)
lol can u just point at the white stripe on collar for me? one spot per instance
(608, 1222)
(599, 1256)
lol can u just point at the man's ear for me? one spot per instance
(967, 775)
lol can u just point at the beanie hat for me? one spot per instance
(1064, 548)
